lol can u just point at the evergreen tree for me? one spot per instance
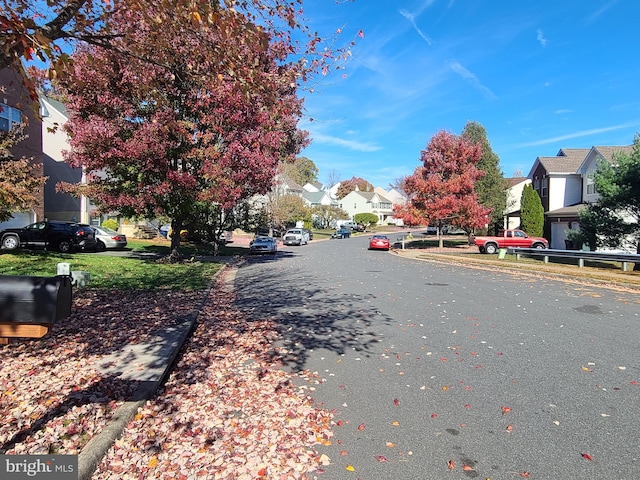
(531, 212)
(492, 187)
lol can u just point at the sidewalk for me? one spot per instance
(154, 360)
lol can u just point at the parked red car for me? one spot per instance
(379, 242)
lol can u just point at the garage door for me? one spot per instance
(18, 220)
(558, 234)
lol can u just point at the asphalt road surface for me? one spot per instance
(436, 371)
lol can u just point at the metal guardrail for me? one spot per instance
(581, 255)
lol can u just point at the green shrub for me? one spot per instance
(111, 224)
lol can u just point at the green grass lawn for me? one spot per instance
(113, 272)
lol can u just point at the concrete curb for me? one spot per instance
(175, 338)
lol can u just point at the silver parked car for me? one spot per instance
(263, 245)
(107, 238)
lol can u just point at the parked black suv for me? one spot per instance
(62, 236)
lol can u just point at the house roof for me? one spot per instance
(567, 161)
(607, 152)
(570, 211)
(512, 182)
(59, 106)
(369, 196)
(288, 183)
(314, 197)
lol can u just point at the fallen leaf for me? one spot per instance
(468, 468)
(395, 424)
(451, 464)
(380, 458)
(350, 468)
(434, 415)
(505, 410)
(362, 426)
(525, 474)
(509, 428)
(390, 444)
(587, 369)
(343, 452)
(586, 456)
(396, 402)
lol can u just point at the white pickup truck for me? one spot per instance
(296, 236)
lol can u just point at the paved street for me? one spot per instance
(438, 371)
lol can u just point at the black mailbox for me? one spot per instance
(34, 299)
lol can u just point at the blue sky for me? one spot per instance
(538, 75)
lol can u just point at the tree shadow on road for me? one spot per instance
(310, 315)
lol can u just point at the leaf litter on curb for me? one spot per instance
(227, 410)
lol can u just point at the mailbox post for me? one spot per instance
(30, 305)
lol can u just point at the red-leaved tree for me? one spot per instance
(351, 185)
(442, 189)
(186, 119)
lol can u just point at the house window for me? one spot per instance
(591, 184)
(545, 187)
(9, 117)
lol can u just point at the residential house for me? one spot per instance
(368, 202)
(16, 107)
(514, 197)
(565, 185)
(397, 197)
(59, 206)
(322, 197)
(312, 186)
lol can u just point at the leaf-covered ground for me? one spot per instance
(227, 411)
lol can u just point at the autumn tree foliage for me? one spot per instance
(326, 215)
(20, 178)
(289, 209)
(32, 30)
(204, 119)
(442, 189)
(354, 183)
(302, 170)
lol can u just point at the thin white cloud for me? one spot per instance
(540, 37)
(595, 15)
(412, 20)
(562, 111)
(411, 16)
(341, 142)
(472, 79)
(583, 133)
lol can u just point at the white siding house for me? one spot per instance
(368, 202)
(59, 206)
(514, 197)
